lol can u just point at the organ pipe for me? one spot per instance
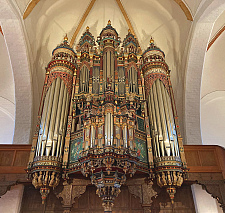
(173, 125)
(53, 117)
(48, 118)
(166, 108)
(162, 115)
(63, 126)
(153, 128)
(155, 100)
(43, 119)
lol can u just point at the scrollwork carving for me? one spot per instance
(70, 192)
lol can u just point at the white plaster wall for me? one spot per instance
(7, 96)
(203, 201)
(11, 201)
(213, 91)
(17, 50)
(213, 118)
(201, 31)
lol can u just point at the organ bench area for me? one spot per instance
(107, 118)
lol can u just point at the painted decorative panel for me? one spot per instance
(140, 147)
(76, 146)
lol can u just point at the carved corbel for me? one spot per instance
(135, 190)
(144, 191)
(70, 192)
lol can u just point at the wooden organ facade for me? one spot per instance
(107, 121)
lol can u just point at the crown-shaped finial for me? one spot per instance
(151, 40)
(66, 38)
(129, 31)
(109, 22)
(87, 28)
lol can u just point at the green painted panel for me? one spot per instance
(141, 149)
(76, 147)
(141, 124)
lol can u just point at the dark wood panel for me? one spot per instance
(21, 158)
(208, 158)
(6, 157)
(192, 158)
(89, 202)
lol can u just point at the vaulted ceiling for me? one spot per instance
(174, 24)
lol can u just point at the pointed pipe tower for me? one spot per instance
(45, 161)
(169, 159)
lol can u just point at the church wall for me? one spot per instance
(11, 201)
(203, 201)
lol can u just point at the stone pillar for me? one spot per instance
(11, 201)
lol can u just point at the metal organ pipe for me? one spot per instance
(81, 81)
(153, 127)
(108, 71)
(53, 117)
(155, 100)
(108, 129)
(60, 131)
(64, 119)
(87, 79)
(104, 71)
(112, 62)
(44, 138)
(43, 119)
(173, 125)
(111, 129)
(163, 119)
(154, 121)
(92, 136)
(166, 108)
(59, 111)
(133, 79)
(125, 136)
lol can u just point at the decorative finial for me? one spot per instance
(151, 40)
(66, 38)
(87, 28)
(109, 22)
(129, 31)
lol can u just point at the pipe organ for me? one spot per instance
(107, 112)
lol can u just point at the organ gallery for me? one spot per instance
(107, 116)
